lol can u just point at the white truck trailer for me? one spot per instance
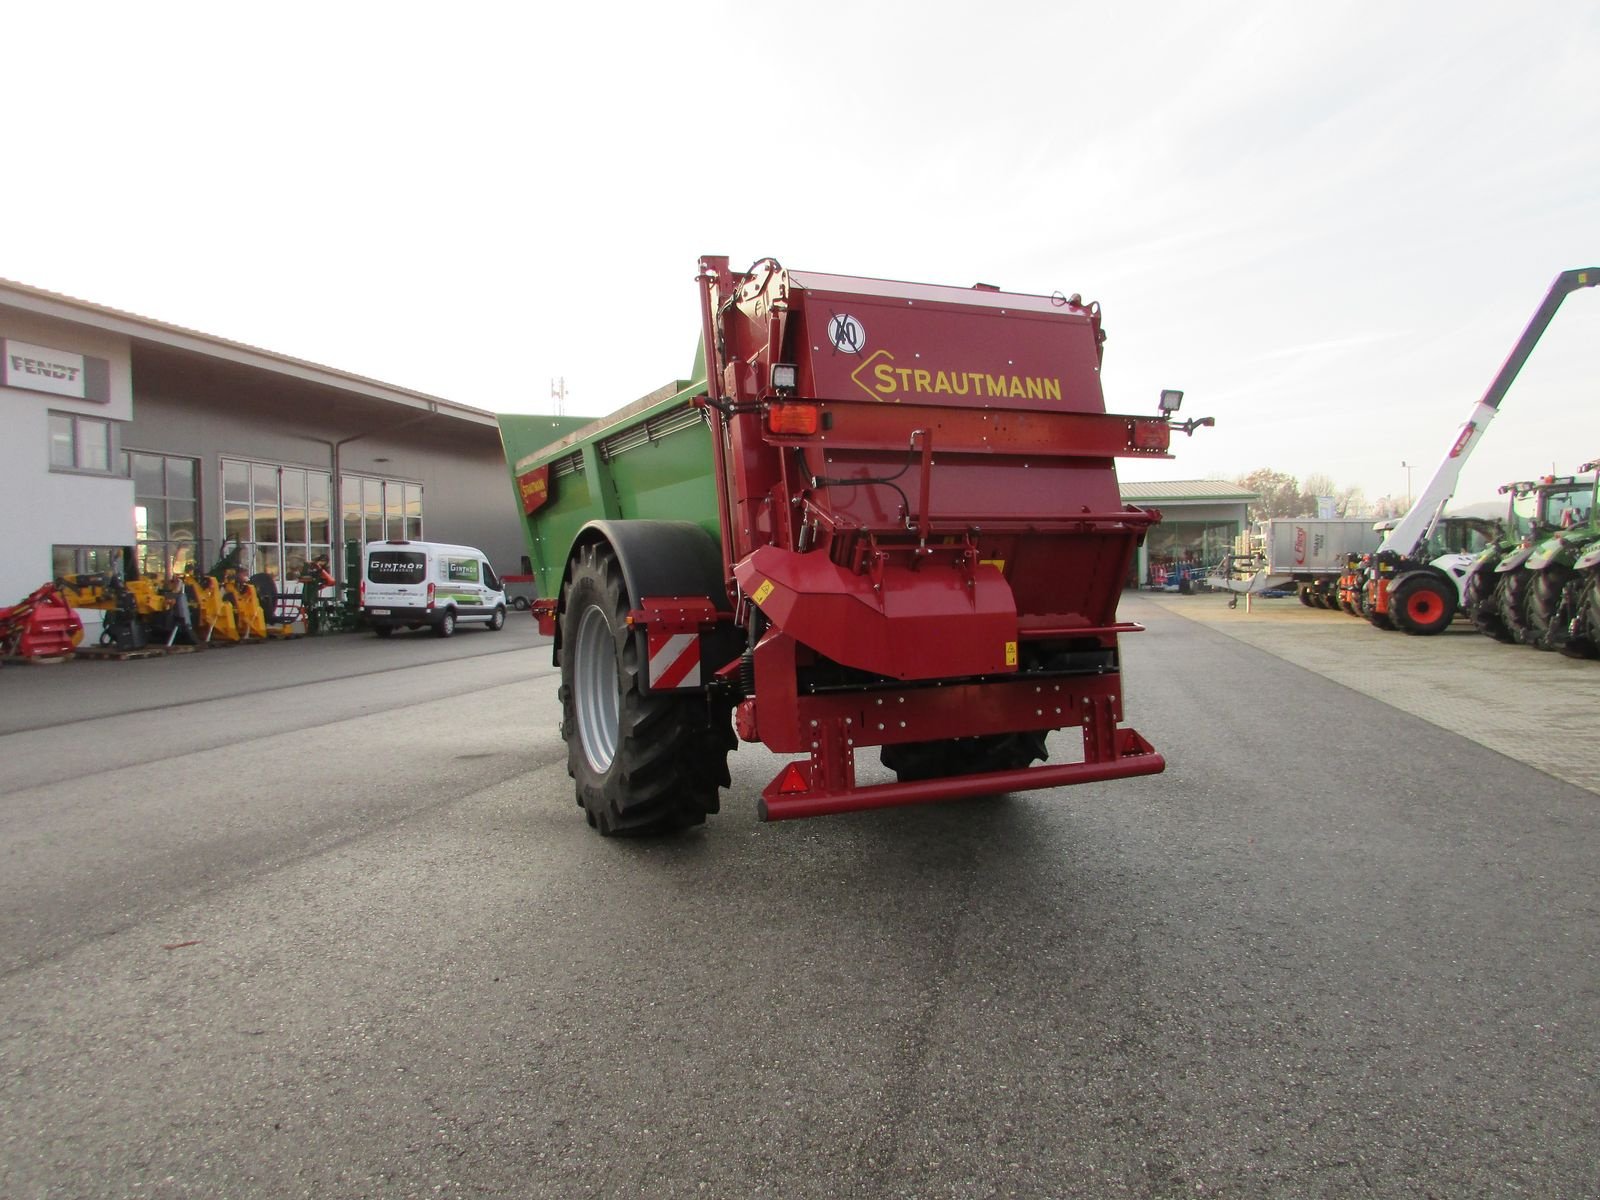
(1304, 553)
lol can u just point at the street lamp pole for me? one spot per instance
(1409, 467)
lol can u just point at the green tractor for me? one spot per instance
(1481, 597)
(1559, 566)
(1556, 498)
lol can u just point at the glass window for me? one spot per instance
(94, 445)
(164, 512)
(62, 453)
(282, 515)
(181, 520)
(394, 510)
(350, 493)
(180, 476)
(264, 488)
(461, 570)
(413, 511)
(149, 478)
(80, 443)
(372, 504)
(397, 566)
(294, 507)
(373, 510)
(1176, 550)
(317, 507)
(235, 500)
(85, 560)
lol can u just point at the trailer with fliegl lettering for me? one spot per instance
(1303, 554)
(878, 515)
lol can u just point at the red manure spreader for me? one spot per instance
(879, 514)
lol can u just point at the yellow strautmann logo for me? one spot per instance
(879, 378)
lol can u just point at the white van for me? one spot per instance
(409, 585)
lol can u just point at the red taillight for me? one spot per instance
(1151, 435)
(797, 419)
(363, 591)
(430, 595)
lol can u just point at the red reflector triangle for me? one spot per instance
(793, 779)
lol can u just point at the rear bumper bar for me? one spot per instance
(1135, 756)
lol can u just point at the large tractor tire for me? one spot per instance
(1423, 604)
(1475, 595)
(1486, 605)
(1585, 639)
(1341, 592)
(1546, 624)
(1514, 591)
(915, 761)
(642, 763)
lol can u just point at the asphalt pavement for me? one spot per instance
(321, 919)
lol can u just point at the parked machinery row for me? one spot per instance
(223, 605)
(1417, 580)
(1539, 585)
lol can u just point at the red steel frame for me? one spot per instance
(915, 599)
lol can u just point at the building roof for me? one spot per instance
(1215, 490)
(158, 333)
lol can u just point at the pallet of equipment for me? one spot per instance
(113, 654)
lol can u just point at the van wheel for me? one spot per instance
(445, 625)
(383, 631)
(641, 763)
(498, 620)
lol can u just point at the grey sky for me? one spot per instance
(1327, 223)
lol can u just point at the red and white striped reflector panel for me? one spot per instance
(674, 660)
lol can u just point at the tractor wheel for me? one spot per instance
(642, 763)
(1514, 605)
(1488, 607)
(1476, 594)
(1423, 605)
(1364, 601)
(914, 761)
(1547, 624)
(1585, 640)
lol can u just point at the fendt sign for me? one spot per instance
(41, 369)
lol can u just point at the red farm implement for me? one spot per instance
(882, 515)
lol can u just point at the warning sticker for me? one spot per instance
(1011, 654)
(762, 592)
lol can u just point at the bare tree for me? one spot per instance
(1346, 501)
(1277, 495)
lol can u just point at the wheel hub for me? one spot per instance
(594, 683)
